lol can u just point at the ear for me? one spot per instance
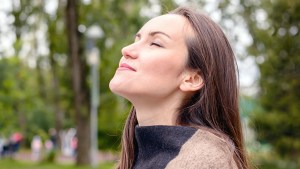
(192, 81)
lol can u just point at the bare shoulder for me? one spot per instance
(205, 150)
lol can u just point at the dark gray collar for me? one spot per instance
(157, 145)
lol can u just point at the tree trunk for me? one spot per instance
(81, 98)
(56, 100)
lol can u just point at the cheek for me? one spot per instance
(166, 65)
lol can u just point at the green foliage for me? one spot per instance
(276, 44)
(19, 102)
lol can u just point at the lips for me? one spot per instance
(124, 66)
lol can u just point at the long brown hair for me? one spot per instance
(215, 105)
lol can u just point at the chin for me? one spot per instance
(113, 86)
(116, 88)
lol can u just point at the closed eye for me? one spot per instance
(155, 44)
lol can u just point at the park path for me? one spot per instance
(102, 157)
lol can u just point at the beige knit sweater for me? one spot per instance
(204, 150)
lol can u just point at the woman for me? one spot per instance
(180, 76)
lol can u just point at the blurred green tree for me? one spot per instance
(78, 68)
(29, 105)
(274, 26)
(18, 95)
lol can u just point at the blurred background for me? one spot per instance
(58, 56)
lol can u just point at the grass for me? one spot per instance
(277, 165)
(13, 164)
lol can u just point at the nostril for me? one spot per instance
(126, 56)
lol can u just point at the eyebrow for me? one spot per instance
(154, 33)
(159, 32)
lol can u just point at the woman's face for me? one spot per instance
(152, 66)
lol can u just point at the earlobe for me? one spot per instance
(192, 81)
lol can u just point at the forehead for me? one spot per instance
(176, 26)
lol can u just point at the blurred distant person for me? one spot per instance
(49, 145)
(2, 143)
(74, 142)
(5, 147)
(15, 142)
(36, 148)
(53, 137)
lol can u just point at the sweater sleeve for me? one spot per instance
(204, 150)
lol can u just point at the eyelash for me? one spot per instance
(156, 44)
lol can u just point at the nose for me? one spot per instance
(130, 51)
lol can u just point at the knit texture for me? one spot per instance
(157, 145)
(178, 147)
(204, 150)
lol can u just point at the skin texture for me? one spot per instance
(152, 72)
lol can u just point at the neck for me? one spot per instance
(157, 112)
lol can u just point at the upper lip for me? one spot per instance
(125, 65)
